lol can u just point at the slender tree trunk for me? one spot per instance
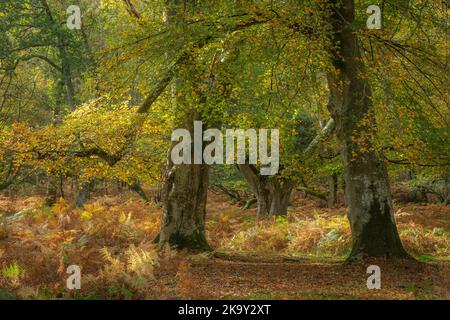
(54, 191)
(7, 172)
(368, 195)
(313, 193)
(332, 190)
(70, 92)
(136, 187)
(65, 69)
(83, 194)
(447, 190)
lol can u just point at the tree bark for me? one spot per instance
(280, 191)
(185, 188)
(184, 207)
(272, 193)
(184, 201)
(136, 187)
(83, 194)
(332, 190)
(54, 190)
(312, 192)
(65, 70)
(368, 195)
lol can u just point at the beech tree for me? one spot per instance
(253, 65)
(367, 193)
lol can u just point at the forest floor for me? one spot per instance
(298, 257)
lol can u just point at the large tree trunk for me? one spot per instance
(184, 201)
(280, 190)
(368, 195)
(272, 193)
(185, 188)
(184, 207)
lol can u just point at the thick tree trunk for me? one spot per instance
(280, 191)
(184, 207)
(368, 195)
(184, 198)
(272, 193)
(185, 189)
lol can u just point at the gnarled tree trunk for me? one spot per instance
(184, 192)
(184, 201)
(368, 195)
(272, 193)
(184, 207)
